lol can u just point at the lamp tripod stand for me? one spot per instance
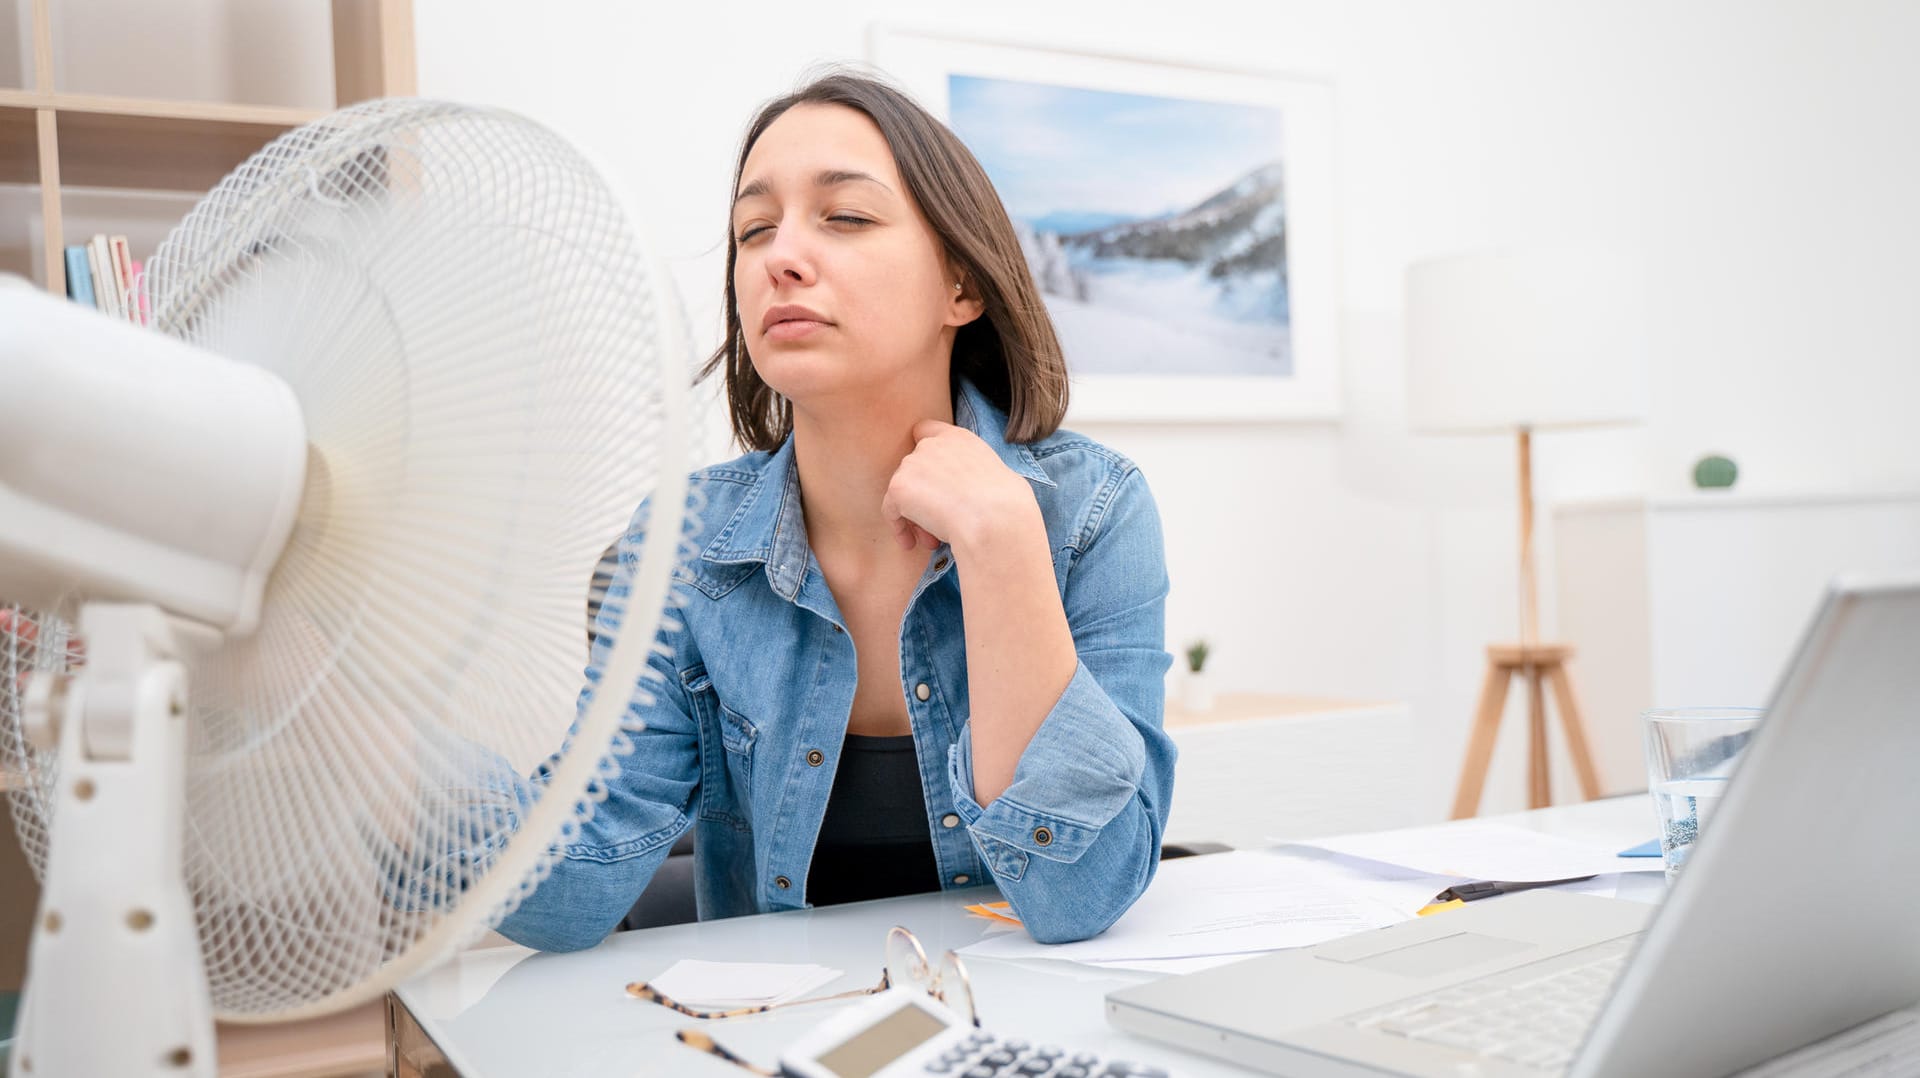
(1539, 664)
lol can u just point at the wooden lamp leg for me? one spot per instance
(1486, 729)
(1576, 732)
(1539, 782)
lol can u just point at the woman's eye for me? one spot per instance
(750, 233)
(848, 218)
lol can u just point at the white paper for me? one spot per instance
(1243, 902)
(1484, 851)
(723, 985)
(1174, 965)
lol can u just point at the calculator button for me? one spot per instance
(1086, 1059)
(1072, 1070)
(1035, 1065)
(980, 1072)
(939, 1066)
(1016, 1045)
(1132, 1070)
(1048, 1050)
(999, 1059)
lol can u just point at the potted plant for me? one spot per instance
(1196, 689)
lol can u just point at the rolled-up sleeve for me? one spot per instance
(616, 849)
(1075, 838)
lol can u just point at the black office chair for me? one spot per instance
(668, 899)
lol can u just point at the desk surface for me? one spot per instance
(509, 1011)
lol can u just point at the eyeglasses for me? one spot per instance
(906, 964)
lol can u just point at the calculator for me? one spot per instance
(905, 1033)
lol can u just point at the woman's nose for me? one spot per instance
(788, 259)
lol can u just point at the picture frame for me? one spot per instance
(1180, 219)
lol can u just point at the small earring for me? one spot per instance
(956, 286)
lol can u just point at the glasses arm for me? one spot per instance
(698, 1039)
(643, 990)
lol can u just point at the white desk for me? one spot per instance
(510, 1012)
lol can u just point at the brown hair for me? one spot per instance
(1010, 352)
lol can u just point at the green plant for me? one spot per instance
(1197, 655)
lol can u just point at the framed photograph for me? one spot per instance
(1179, 220)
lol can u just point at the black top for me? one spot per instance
(874, 841)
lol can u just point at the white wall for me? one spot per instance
(1760, 153)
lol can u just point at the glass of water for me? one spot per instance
(1691, 752)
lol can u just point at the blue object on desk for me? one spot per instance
(1649, 848)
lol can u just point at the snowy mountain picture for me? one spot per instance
(1155, 226)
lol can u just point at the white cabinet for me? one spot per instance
(1701, 598)
(1259, 767)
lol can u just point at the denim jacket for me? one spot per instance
(744, 731)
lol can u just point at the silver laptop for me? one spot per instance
(1798, 916)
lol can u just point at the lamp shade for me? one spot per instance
(1501, 340)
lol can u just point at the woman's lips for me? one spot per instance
(794, 329)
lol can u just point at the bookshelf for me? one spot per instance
(73, 162)
(54, 141)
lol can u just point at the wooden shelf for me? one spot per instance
(131, 143)
(60, 140)
(212, 112)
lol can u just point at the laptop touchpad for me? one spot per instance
(1433, 957)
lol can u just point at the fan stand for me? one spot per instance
(1538, 663)
(116, 983)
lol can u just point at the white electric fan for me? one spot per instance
(327, 538)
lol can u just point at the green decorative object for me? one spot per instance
(1196, 655)
(1715, 472)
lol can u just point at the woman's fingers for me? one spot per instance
(24, 628)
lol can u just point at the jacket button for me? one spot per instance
(962, 878)
(815, 757)
(838, 629)
(921, 691)
(782, 882)
(941, 564)
(950, 820)
(1042, 837)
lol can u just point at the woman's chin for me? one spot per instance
(801, 375)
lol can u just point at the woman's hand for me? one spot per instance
(952, 488)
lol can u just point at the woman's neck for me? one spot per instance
(847, 451)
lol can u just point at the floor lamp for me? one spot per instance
(1512, 343)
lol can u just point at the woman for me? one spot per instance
(827, 715)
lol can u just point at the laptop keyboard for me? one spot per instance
(1532, 1018)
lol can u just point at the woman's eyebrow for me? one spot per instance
(832, 177)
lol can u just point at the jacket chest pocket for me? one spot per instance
(726, 754)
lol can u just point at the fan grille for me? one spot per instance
(459, 303)
(30, 642)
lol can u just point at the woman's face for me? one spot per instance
(842, 285)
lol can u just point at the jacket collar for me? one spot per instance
(768, 527)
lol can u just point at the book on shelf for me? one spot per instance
(106, 282)
(123, 277)
(102, 273)
(79, 276)
(94, 273)
(143, 316)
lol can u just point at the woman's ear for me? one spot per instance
(963, 305)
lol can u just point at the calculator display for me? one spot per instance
(866, 1052)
